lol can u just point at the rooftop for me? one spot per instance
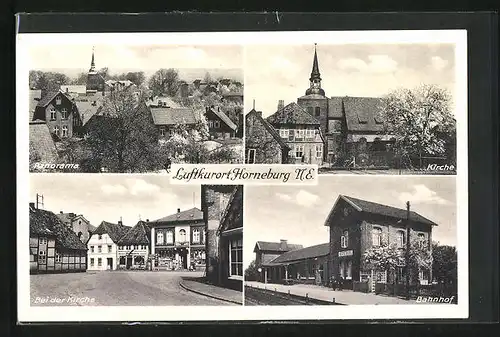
(300, 254)
(188, 215)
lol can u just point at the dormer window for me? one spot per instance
(52, 113)
(58, 100)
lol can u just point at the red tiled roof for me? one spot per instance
(173, 116)
(300, 254)
(292, 114)
(191, 214)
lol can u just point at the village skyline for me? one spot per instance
(357, 70)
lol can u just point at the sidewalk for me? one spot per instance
(219, 293)
(326, 294)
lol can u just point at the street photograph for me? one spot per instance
(134, 240)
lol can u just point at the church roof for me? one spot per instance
(363, 114)
(292, 114)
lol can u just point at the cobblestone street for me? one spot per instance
(115, 288)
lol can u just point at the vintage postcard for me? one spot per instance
(143, 157)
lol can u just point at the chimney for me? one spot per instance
(32, 205)
(147, 220)
(120, 222)
(283, 244)
(281, 104)
(60, 212)
(72, 215)
(178, 210)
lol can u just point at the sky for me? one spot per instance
(298, 213)
(223, 60)
(108, 197)
(274, 72)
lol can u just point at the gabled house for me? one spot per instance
(263, 144)
(220, 126)
(59, 113)
(78, 224)
(167, 118)
(53, 246)
(267, 251)
(102, 245)
(300, 131)
(134, 247)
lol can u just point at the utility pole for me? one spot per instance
(407, 254)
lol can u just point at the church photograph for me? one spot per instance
(360, 108)
(96, 111)
(344, 242)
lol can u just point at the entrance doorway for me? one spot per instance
(183, 256)
(109, 263)
(129, 262)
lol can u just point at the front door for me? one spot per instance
(129, 262)
(184, 258)
(109, 264)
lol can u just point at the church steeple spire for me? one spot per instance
(92, 63)
(315, 79)
(315, 69)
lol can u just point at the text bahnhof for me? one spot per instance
(241, 173)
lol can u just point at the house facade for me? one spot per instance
(178, 240)
(220, 126)
(78, 224)
(54, 248)
(134, 247)
(230, 242)
(357, 225)
(58, 112)
(102, 245)
(301, 132)
(268, 251)
(167, 118)
(263, 144)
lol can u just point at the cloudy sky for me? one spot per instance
(109, 197)
(297, 214)
(223, 60)
(274, 72)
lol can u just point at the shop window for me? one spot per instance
(344, 239)
(236, 258)
(377, 236)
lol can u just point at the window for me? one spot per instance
(58, 100)
(344, 239)
(42, 241)
(182, 235)
(421, 239)
(110, 248)
(291, 134)
(162, 131)
(99, 249)
(299, 151)
(203, 236)
(299, 133)
(58, 257)
(42, 258)
(317, 111)
(56, 130)
(401, 237)
(251, 156)
(100, 237)
(284, 133)
(236, 258)
(196, 235)
(99, 262)
(170, 237)
(319, 151)
(52, 113)
(216, 124)
(91, 249)
(310, 134)
(159, 238)
(64, 113)
(210, 123)
(345, 269)
(92, 261)
(377, 236)
(65, 131)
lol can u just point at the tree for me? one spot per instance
(251, 273)
(104, 72)
(444, 267)
(136, 77)
(420, 119)
(164, 82)
(81, 79)
(122, 137)
(49, 81)
(207, 79)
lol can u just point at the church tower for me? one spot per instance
(95, 82)
(315, 79)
